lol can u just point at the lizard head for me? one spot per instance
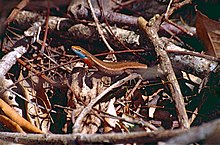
(83, 54)
(79, 51)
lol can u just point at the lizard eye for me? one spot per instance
(77, 49)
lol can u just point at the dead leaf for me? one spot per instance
(86, 87)
(32, 92)
(208, 32)
(111, 122)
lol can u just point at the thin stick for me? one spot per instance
(168, 8)
(46, 29)
(99, 28)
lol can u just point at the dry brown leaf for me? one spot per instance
(85, 88)
(31, 92)
(111, 122)
(208, 32)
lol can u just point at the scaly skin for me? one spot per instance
(116, 68)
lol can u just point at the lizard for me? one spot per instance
(118, 68)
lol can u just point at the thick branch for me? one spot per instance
(177, 136)
(166, 66)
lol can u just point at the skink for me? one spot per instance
(117, 68)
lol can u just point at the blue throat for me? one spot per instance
(80, 54)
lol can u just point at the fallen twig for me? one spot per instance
(166, 66)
